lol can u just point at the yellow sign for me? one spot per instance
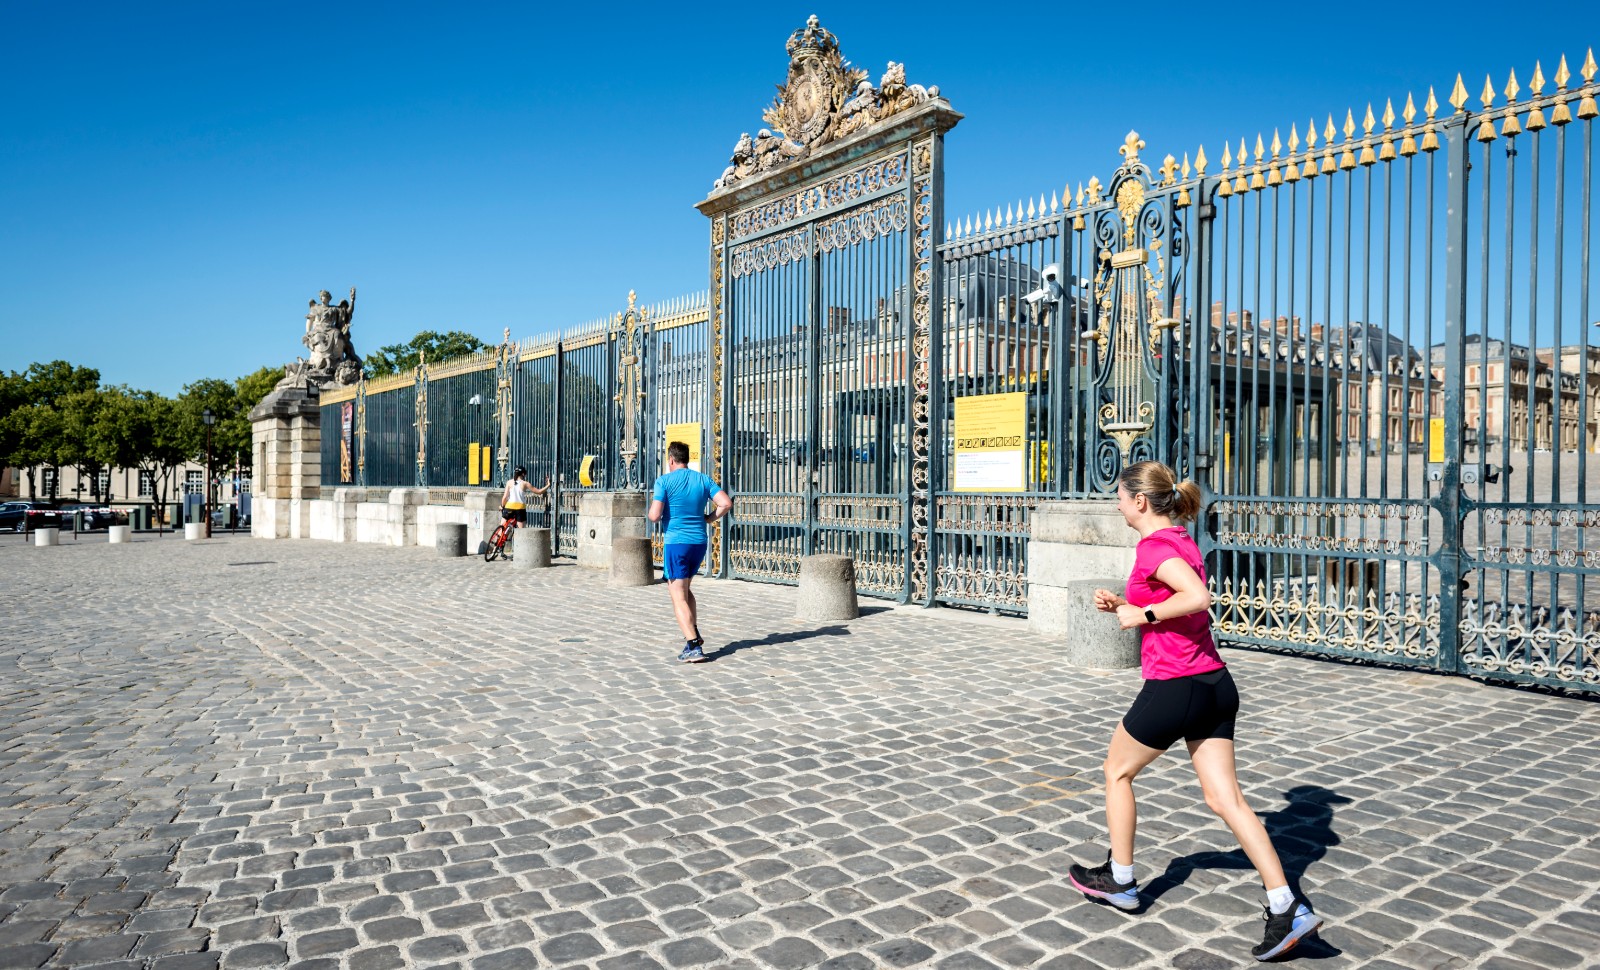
(1436, 439)
(472, 463)
(586, 470)
(990, 436)
(689, 434)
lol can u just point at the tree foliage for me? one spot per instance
(441, 347)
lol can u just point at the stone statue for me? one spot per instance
(333, 358)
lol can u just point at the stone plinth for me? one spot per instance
(345, 503)
(827, 588)
(402, 517)
(1072, 541)
(604, 517)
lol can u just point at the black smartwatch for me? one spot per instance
(1150, 614)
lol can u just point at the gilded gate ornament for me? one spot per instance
(825, 99)
(1131, 309)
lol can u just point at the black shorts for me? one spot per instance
(521, 515)
(1193, 708)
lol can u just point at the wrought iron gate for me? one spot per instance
(822, 304)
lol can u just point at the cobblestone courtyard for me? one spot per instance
(241, 753)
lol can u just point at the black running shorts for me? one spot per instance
(1193, 708)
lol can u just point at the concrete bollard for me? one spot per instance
(827, 588)
(630, 561)
(194, 530)
(47, 537)
(1092, 639)
(530, 548)
(450, 539)
(120, 533)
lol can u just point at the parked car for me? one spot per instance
(793, 451)
(27, 515)
(94, 516)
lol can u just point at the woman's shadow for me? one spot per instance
(1301, 831)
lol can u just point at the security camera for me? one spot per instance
(475, 400)
(1050, 288)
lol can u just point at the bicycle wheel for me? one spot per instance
(496, 544)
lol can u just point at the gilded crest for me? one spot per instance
(823, 100)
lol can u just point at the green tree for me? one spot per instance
(441, 347)
(33, 429)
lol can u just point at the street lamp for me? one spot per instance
(210, 419)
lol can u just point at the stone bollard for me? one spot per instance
(1091, 638)
(450, 539)
(120, 533)
(530, 549)
(630, 561)
(827, 588)
(47, 537)
(194, 530)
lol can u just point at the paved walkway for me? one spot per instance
(256, 754)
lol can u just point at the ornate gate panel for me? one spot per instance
(822, 284)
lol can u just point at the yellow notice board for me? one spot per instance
(689, 434)
(472, 463)
(991, 432)
(1436, 439)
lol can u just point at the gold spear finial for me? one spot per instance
(1587, 108)
(1240, 183)
(1386, 147)
(1486, 127)
(1273, 176)
(1458, 95)
(1510, 127)
(1347, 158)
(1327, 147)
(1562, 74)
(1200, 162)
(1560, 113)
(1226, 188)
(1408, 144)
(1430, 139)
(1536, 120)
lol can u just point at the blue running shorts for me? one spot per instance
(682, 561)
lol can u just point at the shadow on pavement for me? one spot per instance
(1302, 831)
(773, 639)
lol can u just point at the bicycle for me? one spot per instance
(496, 546)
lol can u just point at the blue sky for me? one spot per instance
(177, 180)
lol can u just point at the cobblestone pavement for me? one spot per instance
(241, 753)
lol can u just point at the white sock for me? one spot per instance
(1121, 873)
(1279, 900)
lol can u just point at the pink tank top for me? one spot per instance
(1181, 646)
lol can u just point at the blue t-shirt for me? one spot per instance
(684, 494)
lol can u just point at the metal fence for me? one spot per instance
(1369, 343)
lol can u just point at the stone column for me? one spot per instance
(345, 503)
(1073, 541)
(483, 515)
(286, 439)
(604, 516)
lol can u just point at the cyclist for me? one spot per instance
(514, 503)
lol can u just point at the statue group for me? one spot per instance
(327, 337)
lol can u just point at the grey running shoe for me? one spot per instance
(1098, 883)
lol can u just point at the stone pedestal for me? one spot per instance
(286, 444)
(47, 537)
(120, 533)
(630, 561)
(451, 539)
(1072, 541)
(604, 517)
(827, 588)
(194, 530)
(530, 549)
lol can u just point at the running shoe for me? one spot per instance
(1098, 883)
(692, 654)
(1286, 929)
